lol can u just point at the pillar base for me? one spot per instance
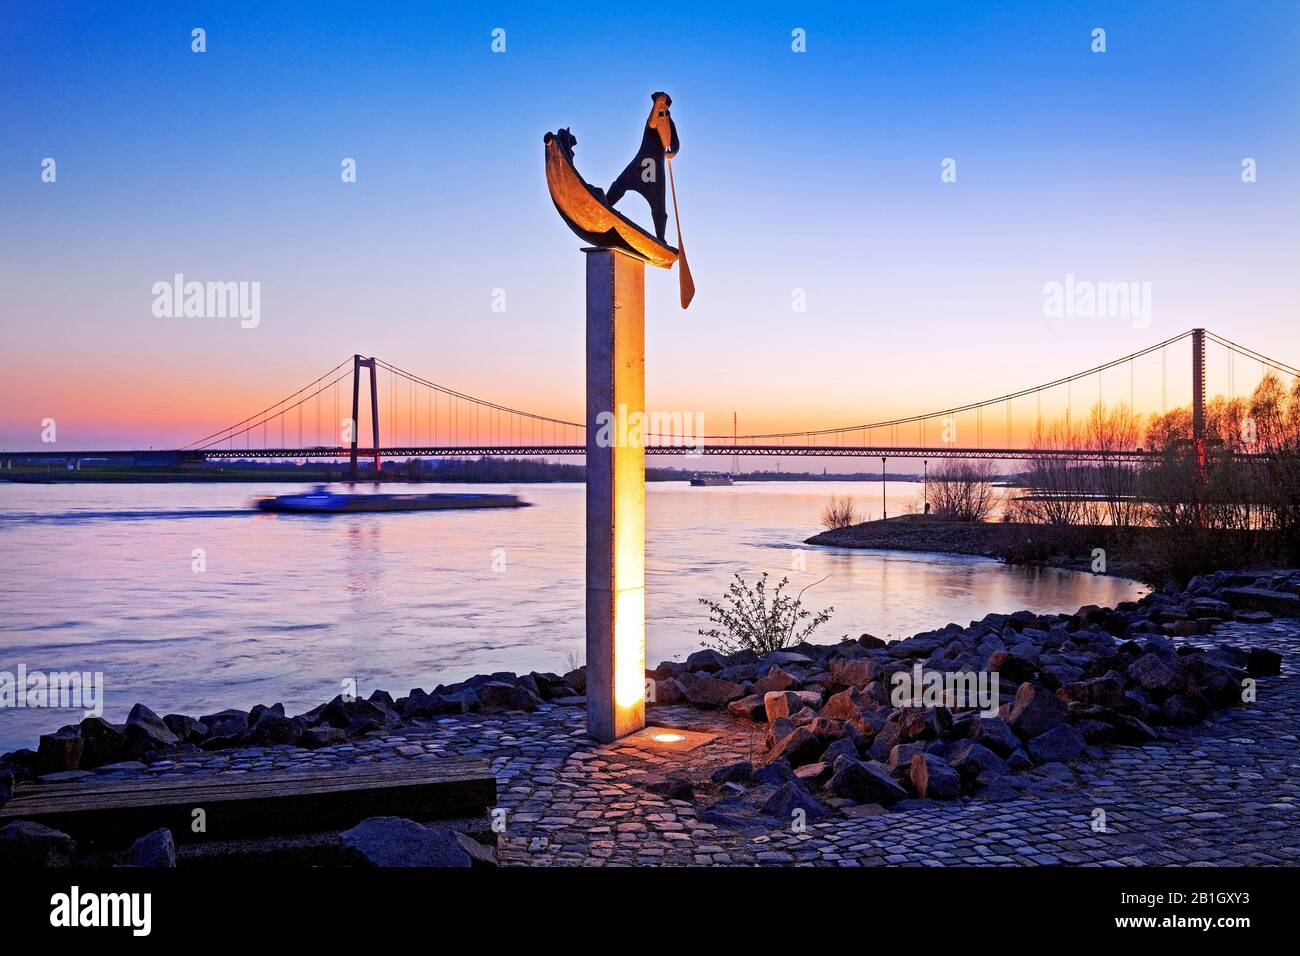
(615, 496)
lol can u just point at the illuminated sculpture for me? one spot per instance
(616, 384)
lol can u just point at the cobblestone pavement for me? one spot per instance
(1221, 792)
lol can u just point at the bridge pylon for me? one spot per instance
(358, 363)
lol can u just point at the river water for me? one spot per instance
(187, 600)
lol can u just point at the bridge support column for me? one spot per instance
(358, 363)
(615, 495)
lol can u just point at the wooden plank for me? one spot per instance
(424, 769)
(257, 804)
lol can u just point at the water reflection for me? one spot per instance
(289, 606)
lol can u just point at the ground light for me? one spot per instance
(667, 738)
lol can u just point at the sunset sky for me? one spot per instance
(817, 171)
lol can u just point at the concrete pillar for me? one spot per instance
(615, 496)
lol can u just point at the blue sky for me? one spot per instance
(817, 171)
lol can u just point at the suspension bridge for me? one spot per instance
(420, 418)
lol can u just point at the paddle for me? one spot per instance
(684, 270)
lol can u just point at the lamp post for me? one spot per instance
(925, 484)
(883, 510)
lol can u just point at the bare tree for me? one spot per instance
(1054, 483)
(963, 490)
(1115, 430)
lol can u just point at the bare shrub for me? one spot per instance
(841, 512)
(748, 619)
(963, 490)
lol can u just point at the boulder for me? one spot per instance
(733, 772)
(775, 679)
(60, 751)
(1264, 663)
(774, 773)
(791, 802)
(923, 723)
(145, 731)
(885, 739)
(223, 715)
(864, 783)
(577, 679)
(844, 705)
(781, 727)
(1061, 743)
(738, 673)
(186, 729)
(258, 710)
(102, 743)
(706, 660)
(813, 774)
(1010, 665)
(26, 845)
(481, 856)
(1156, 675)
(669, 690)
(798, 748)
(550, 686)
(506, 695)
(972, 760)
(994, 733)
(784, 659)
(356, 715)
(1218, 683)
(843, 747)
(1279, 603)
(1253, 617)
(395, 841)
(156, 850)
(855, 673)
(1095, 731)
(1035, 711)
(825, 729)
(713, 692)
(674, 787)
(314, 738)
(1107, 691)
(901, 755)
(377, 697)
(1183, 709)
(274, 728)
(933, 778)
(781, 703)
(751, 707)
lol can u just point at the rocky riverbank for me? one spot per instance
(838, 736)
(1070, 548)
(808, 733)
(1157, 556)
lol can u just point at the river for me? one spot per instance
(187, 600)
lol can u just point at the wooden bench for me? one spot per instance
(117, 812)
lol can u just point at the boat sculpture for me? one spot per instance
(588, 213)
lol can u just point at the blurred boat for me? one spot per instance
(711, 481)
(321, 501)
